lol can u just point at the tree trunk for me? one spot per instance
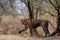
(30, 11)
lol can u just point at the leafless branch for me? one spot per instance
(53, 5)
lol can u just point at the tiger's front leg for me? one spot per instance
(31, 30)
(35, 32)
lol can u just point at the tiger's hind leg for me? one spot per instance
(45, 29)
(47, 33)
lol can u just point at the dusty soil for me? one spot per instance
(17, 37)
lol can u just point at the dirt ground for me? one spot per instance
(17, 37)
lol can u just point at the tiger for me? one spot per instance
(32, 24)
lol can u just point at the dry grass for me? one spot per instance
(12, 24)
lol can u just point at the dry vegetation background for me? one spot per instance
(10, 21)
(12, 25)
